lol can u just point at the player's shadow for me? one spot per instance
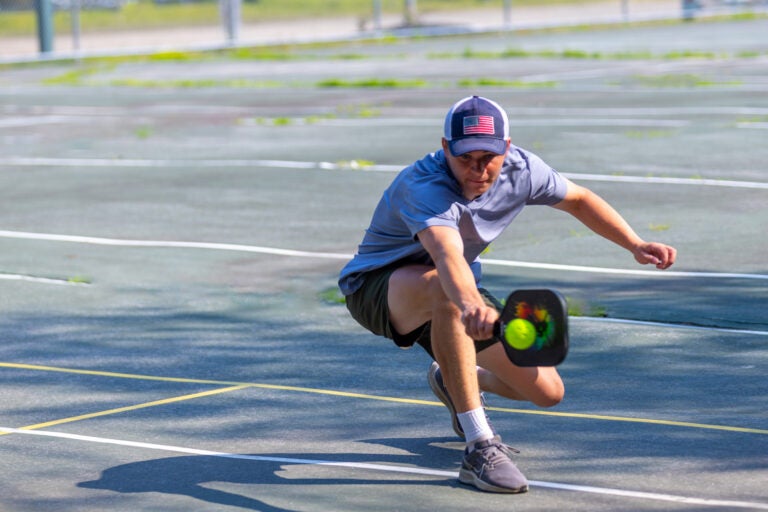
(187, 475)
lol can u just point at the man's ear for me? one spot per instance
(445, 146)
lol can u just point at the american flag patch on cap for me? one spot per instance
(478, 125)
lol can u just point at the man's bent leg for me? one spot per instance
(416, 296)
(541, 386)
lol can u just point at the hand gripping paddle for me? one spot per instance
(533, 328)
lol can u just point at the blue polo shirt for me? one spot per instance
(427, 194)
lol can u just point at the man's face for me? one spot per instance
(475, 171)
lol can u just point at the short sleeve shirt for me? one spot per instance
(427, 194)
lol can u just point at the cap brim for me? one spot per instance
(461, 146)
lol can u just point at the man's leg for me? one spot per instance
(415, 297)
(542, 386)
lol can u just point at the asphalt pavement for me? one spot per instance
(172, 232)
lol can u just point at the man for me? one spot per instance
(415, 276)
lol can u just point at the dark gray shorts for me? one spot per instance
(368, 306)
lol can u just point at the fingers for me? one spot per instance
(661, 255)
(478, 322)
(669, 254)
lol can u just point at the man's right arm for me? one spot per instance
(445, 246)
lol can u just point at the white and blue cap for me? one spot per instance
(476, 123)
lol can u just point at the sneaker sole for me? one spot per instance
(437, 390)
(468, 477)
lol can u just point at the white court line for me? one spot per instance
(409, 122)
(417, 114)
(754, 126)
(44, 280)
(146, 162)
(20, 122)
(666, 180)
(688, 500)
(347, 256)
(352, 165)
(169, 244)
(665, 325)
(620, 271)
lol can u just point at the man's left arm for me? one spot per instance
(599, 216)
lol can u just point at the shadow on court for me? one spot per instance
(729, 303)
(213, 479)
(188, 475)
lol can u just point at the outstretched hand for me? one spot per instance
(660, 255)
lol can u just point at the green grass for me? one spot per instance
(388, 83)
(754, 119)
(201, 83)
(580, 233)
(87, 76)
(355, 164)
(147, 14)
(332, 296)
(577, 307)
(648, 134)
(573, 53)
(497, 82)
(73, 77)
(144, 14)
(679, 80)
(79, 280)
(143, 132)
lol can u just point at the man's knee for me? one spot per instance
(550, 395)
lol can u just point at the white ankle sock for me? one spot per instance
(475, 425)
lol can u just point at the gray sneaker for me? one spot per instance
(435, 379)
(490, 468)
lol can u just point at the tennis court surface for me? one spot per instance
(172, 230)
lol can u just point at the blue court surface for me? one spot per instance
(172, 231)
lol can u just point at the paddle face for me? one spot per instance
(533, 328)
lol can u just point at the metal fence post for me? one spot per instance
(508, 14)
(377, 25)
(689, 9)
(74, 11)
(230, 15)
(410, 13)
(44, 13)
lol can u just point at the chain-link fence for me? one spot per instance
(31, 28)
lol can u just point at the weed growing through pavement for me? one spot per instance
(578, 307)
(332, 296)
(388, 83)
(659, 227)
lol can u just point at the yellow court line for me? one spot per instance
(279, 387)
(22, 366)
(627, 419)
(130, 408)
(411, 401)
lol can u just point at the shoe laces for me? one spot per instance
(496, 453)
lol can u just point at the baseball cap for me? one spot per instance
(476, 123)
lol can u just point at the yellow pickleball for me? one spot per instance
(520, 334)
